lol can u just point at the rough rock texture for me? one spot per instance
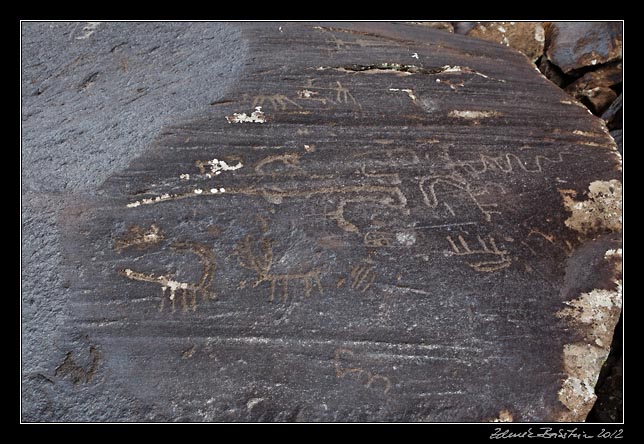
(374, 222)
(527, 37)
(575, 45)
(445, 26)
(613, 115)
(595, 89)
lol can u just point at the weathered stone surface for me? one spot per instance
(613, 115)
(594, 88)
(575, 45)
(617, 136)
(527, 37)
(552, 72)
(376, 222)
(445, 26)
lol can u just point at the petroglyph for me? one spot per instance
(362, 276)
(187, 291)
(378, 239)
(277, 101)
(291, 161)
(428, 187)
(78, 373)
(139, 238)
(335, 93)
(342, 360)
(506, 163)
(258, 257)
(500, 259)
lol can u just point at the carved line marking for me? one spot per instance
(277, 101)
(389, 196)
(362, 276)
(378, 239)
(78, 373)
(370, 378)
(139, 237)
(503, 164)
(186, 289)
(261, 264)
(431, 200)
(291, 160)
(486, 248)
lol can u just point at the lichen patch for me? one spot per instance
(473, 115)
(256, 116)
(602, 211)
(582, 363)
(504, 416)
(594, 314)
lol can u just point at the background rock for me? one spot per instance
(526, 37)
(576, 45)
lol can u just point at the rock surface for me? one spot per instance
(378, 229)
(526, 37)
(576, 45)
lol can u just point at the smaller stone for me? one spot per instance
(613, 115)
(596, 99)
(605, 76)
(575, 45)
(526, 37)
(463, 27)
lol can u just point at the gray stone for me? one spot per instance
(576, 45)
(369, 224)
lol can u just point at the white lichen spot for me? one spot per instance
(602, 210)
(409, 92)
(309, 148)
(152, 236)
(415, 55)
(504, 416)
(198, 191)
(593, 62)
(148, 201)
(584, 133)
(256, 116)
(253, 402)
(280, 29)
(539, 34)
(217, 166)
(448, 68)
(214, 191)
(501, 29)
(184, 176)
(406, 238)
(88, 30)
(307, 94)
(472, 114)
(610, 253)
(222, 190)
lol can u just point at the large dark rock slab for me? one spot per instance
(378, 222)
